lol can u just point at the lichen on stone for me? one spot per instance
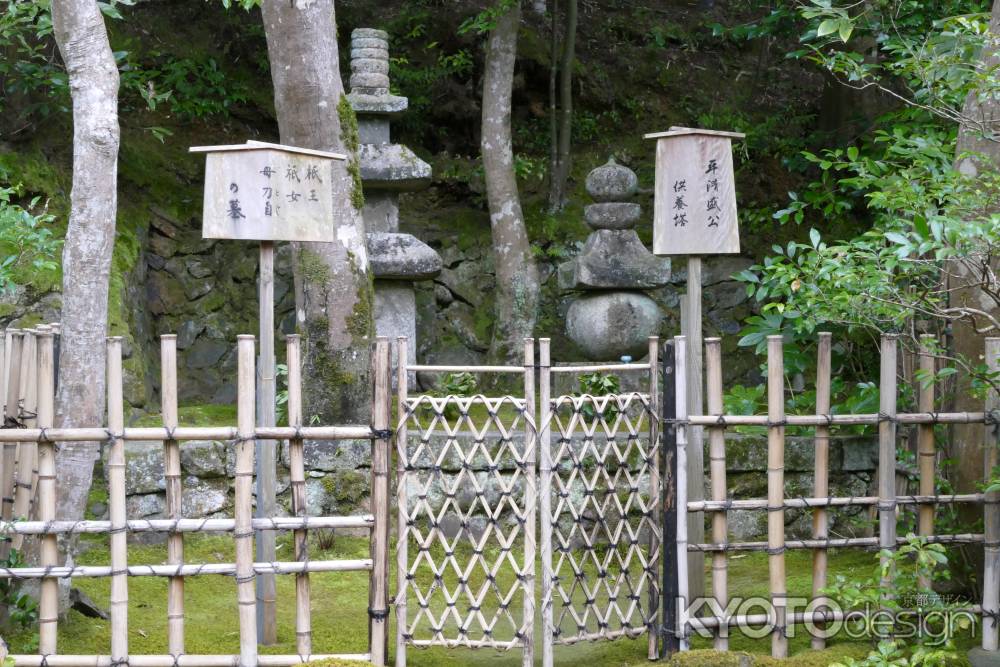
(349, 137)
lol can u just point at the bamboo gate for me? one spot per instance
(29, 440)
(678, 626)
(571, 481)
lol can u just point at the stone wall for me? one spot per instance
(338, 481)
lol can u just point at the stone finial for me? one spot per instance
(609, 185)
(370, 61)
(370, 74)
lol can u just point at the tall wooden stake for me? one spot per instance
(378, 590)
(683, 579)
(12, 411)
(821, 472)
(48, 604)
(776, 492)
(530, 500)
(545, 499)
(267, 626)
(27, 452)
(656, 551)
(668, 442)
(691, 328)
(887, 455)
(402, 544)
(242, 513)
(116, 506)
(717, 462)
(297, 475)
(991, 514)
(925, 441)
(172, 476)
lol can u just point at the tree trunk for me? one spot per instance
(553, 103)
(80, 401)
(968, 439)
(333, 286)
(516, 274)
(557, 185)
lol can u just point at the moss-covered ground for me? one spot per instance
(340, 601)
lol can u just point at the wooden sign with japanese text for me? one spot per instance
(268, 192)
(694, 210)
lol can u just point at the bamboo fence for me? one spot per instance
(27, 478)
(677, 422)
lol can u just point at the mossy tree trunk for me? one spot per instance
(333, 286)
(516, 273)
(93, 80)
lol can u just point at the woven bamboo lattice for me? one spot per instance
(604, 523)
(470, 577)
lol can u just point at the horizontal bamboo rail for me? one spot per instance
(599, 368)
(184, 525)
(803, 503)
(965, 538)
(187, 433)
(420, 368)
(177, 661)
(903, 419)
(188, 570)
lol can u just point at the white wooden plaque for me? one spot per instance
(268, 192)
(694, 210)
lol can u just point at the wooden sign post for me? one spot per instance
(267, 192)
(694, 214)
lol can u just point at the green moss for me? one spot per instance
(312, 268)
(346, 487)
(201, 414)
(360, 323)
(351, 141)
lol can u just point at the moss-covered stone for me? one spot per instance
(351, 142)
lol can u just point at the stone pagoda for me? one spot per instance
(397, 260)
(613, 316)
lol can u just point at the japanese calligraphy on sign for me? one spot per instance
(268, 192)
(695, 205)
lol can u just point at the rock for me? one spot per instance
(392, 167)
(188, 332)
(401, 256)
(144, 466)
(468, 282)
(162, 246)
(609, 326)
(202, 497)
(98, 510)
(325, 456)
(204, 458)
(979, 657)
(164, 293)
(612, 215)
(614, 259)
(611, 182)
(144, 506)
(204, 353)
(442, 295)
(199, 268)
(81, 602)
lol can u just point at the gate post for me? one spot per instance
(530, 496)
(655, 553)
(668, 443)
(378, 588)
(545, 496)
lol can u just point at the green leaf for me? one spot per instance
(827, 27)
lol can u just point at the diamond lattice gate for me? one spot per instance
(470, 492)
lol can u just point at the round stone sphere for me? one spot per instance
(610, 325)
(612, 215)
(611, 182)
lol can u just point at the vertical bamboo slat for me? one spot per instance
(776, 491)
(925, 441)
(8, 337)
(118, 536)
(680, 388)
(530, 499)
(717, 470)
(668, 444)
(12, 413)
(991, 514)
(174, 493)
(887, 453)
(821, 471)
(27, 452)
(378, 589)
(925, 437)
(297, 476)
(48, 603)
(655, 545)
(402, 537)
(545, 498)
(243, 513)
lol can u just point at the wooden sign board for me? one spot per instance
(268, 192)
(694, 210)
